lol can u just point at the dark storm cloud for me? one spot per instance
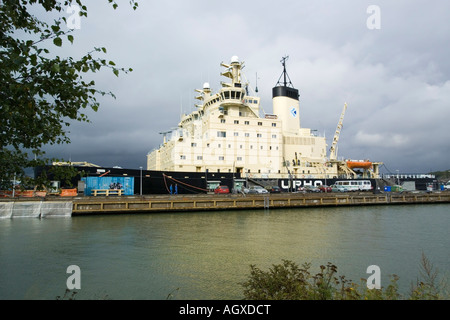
(395, 79)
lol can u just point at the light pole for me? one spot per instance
(141, 181)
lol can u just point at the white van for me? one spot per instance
(355, 185)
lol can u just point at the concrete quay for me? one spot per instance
(184, 203)
(41, 207)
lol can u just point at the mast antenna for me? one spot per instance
(286, 80)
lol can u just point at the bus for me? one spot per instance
(355, 185)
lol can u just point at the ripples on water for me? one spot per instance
(205, 255)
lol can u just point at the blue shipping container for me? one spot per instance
(104, 183)
(387, 188)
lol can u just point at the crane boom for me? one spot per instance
(333, 153)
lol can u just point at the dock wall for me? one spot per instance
(184, 203)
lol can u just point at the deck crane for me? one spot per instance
(333, 153)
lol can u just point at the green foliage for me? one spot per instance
(442, 175)
(40, 94)
(288, 281)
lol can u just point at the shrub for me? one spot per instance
(288, 281)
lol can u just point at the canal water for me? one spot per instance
(205, 255)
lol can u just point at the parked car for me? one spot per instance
(256, 189)
(325, 188)
(311, 189)
(338, 188)
(274, 189)
(222, 189)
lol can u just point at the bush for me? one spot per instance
(288, 281)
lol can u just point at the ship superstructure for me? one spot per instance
(227, 133)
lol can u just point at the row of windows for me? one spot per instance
(221, 158)
(223, 134)
(240, 146)
(183, 157)
(194, 144)
(233, 95)
(247, 122)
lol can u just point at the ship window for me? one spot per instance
(247, 135)
(236, 121)
(222, 121)
(229, 146)
(221, 158)
(236, 134)
(221, 134)
(199, 157)
(274, 124)
(193, 144)
(239, 158)
(247, 122)
(259, 123)
(226, 94)
(250, 101)
(182, 157)
(274, 136)
(258, 135)
(233, 95)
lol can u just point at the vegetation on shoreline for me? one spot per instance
(289, 281)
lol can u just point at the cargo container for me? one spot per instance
(109, 183)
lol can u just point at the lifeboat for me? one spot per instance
(359, 164)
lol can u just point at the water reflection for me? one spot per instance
(206, 255)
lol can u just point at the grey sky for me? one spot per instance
(395, 79)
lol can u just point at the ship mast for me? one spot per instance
(284, 75)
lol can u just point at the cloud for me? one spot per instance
(395, 80)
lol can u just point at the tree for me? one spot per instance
(40, 94)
